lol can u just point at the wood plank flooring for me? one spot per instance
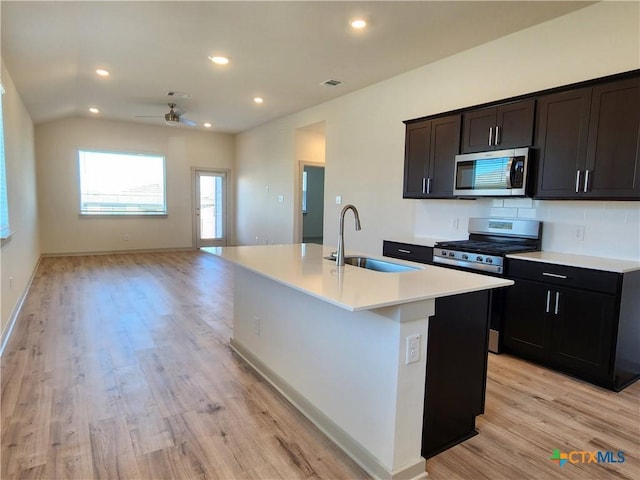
(119, 367)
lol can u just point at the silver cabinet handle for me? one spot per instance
(577, 181)
(586, 181)
(557, 300)
(402, 250)
(429, 185)
(424, 185)
(497, 142)
(554, 275)
(490, 135)
(548, 300)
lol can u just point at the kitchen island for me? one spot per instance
(346, 345)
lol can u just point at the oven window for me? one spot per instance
(483, 174)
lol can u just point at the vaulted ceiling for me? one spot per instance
(281, 51)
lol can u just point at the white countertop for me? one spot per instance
(302, 267)
(582, 261)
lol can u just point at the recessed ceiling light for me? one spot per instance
(358, 23)
(102, 72)
(94, 110)
(258, 99)
(219, 60)
(207, 125)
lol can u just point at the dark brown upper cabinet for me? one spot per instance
(588, 142)
(563, 126)
(430, 150)
(613, 148)
(496, 128)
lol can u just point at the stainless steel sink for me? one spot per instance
(376, 265)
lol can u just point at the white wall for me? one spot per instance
(19, 254)
(365, 139)
(64, 231)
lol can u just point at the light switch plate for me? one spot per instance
(338, 199)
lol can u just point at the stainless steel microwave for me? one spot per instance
(499, 173)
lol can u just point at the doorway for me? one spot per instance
(312, 203)
(210, 212)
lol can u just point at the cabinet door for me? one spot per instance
(456, 372)
(563, 123)
(416, 157)
(445, 145)
(526, 326)
(614, 141)
(582, 329)
(478, 130)
(515, 125)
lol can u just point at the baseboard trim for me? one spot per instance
(334, 432)
(117, 252)
(13, 318)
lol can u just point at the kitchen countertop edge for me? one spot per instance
(580, 261)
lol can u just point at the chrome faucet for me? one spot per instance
(340, 252)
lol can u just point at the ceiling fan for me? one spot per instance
(172, 118)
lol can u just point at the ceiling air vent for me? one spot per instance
(331, 83)
(176, 94)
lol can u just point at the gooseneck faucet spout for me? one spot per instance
(340, 252)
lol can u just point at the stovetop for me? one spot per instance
(487, 247)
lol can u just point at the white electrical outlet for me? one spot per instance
(126, 237)
(280, 198)
(257, 325)
(580, 232)
(413, 349)
(10, 283)
(338, 199)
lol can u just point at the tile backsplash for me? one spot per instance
(604, 229)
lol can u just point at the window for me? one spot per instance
(121, 183)
(5, 230)
(304, 191)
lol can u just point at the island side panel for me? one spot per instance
(347, 365)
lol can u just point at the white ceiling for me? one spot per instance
(279, 50)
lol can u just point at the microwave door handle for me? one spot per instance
(509, 172)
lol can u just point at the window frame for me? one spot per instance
(5, 221)
(122, 214)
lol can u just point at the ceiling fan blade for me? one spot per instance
(191, 123)
(148, 116)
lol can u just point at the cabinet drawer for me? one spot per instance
(574, 277)
(407, 251)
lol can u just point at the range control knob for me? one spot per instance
(465, 256)
(451, 254)
(443, 253)
(478, 258)
(489, 260)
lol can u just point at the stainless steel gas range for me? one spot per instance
(490, 240)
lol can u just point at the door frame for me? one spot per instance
(298, 230)
(194, 202)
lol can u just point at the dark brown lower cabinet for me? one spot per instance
(583, 322)
(456, 373)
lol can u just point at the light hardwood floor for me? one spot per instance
(119, 367)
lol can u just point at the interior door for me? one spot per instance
(210, 208)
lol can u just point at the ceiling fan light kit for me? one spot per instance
(172, 118)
